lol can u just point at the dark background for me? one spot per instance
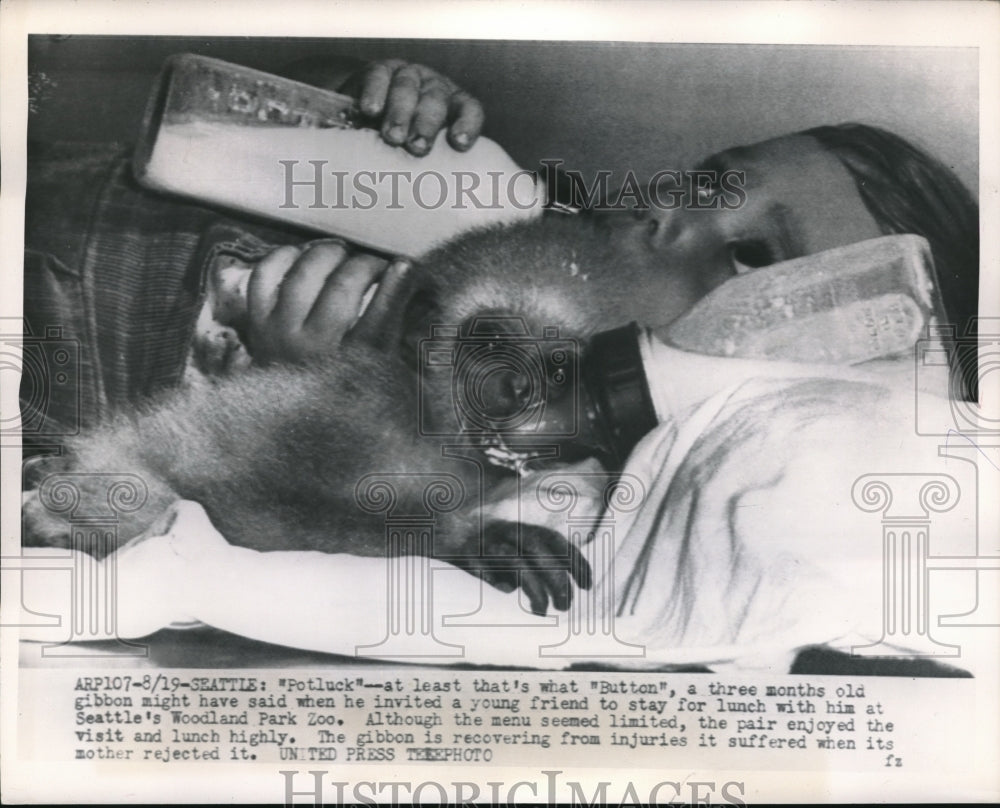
(595, 105)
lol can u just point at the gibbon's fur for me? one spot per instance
(274, 454)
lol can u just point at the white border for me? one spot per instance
(830, 23)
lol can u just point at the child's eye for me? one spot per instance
(749, 255)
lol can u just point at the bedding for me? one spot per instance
(742, 530)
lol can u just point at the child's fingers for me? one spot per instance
(430, 115)
(403, 97)
(336, 306)
(265, 282)
(467, 120)
(375, 83)
(416, 103)
(304, 281)
(382, 321)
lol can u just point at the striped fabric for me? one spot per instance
(114, 274)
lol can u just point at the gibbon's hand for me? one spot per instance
(415, 103)
(536, 559)
(302, 302)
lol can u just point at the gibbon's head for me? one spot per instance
(561, 271)
(498, 324)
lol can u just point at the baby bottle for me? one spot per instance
(268, 146)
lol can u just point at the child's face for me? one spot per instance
(799, 200)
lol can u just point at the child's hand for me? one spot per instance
(302, 302)
(415, 103)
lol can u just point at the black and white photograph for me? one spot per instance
(466, 403)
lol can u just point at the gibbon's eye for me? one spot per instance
(749, 255)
